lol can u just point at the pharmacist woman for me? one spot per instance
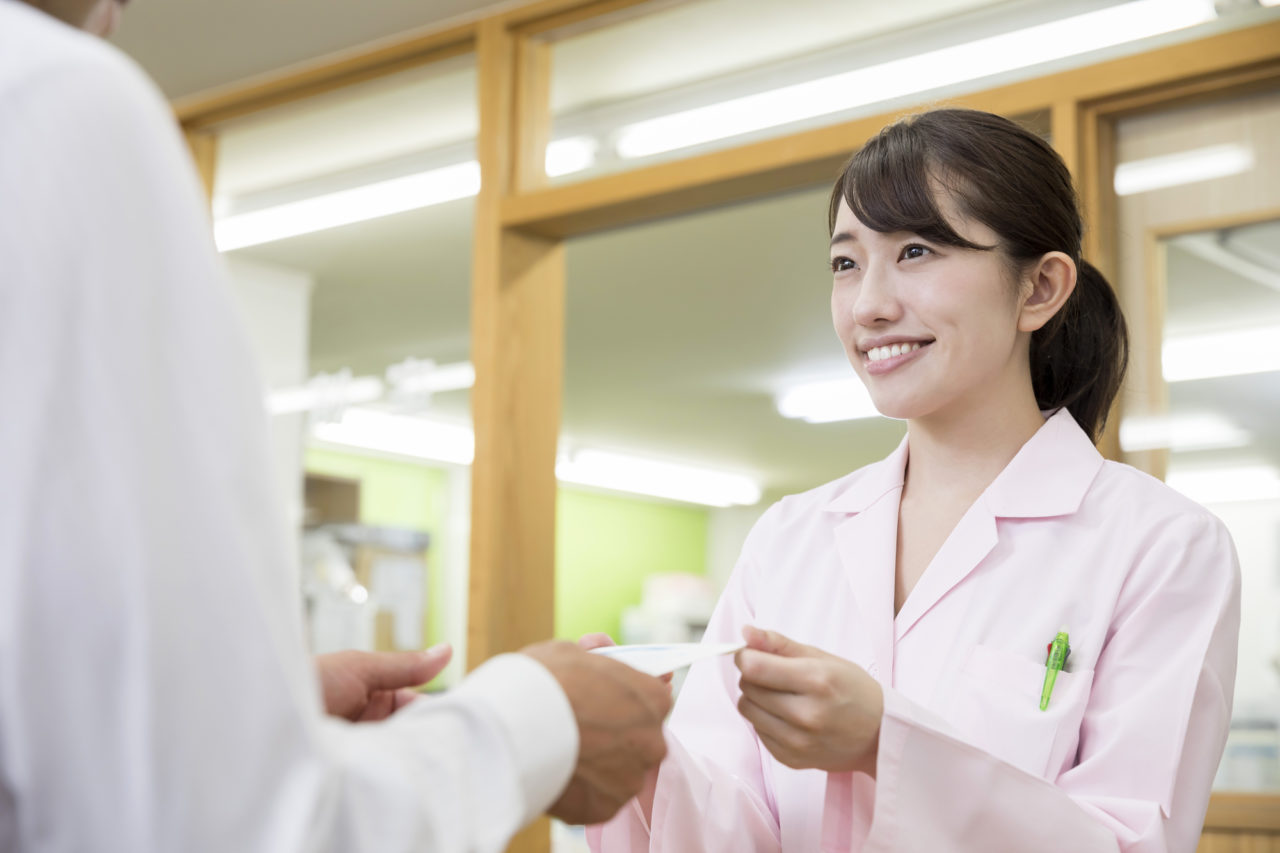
(994, 639)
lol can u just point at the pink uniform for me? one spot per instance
(1145, 581)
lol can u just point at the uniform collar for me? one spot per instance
(1048, 477)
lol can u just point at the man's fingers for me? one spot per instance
(587, 642)
(405, 696)
(394, 670)
(653, 692)
(379, 707)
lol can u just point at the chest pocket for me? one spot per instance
(997, 707)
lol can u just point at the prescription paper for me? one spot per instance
(664, 658)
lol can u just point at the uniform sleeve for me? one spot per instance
(711, 792)
(1152, 735)
(155, 692)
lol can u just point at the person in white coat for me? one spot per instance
(155, 691)
(994, 639)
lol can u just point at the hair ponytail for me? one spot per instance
(1079, 357)
(1012, 181)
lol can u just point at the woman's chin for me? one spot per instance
(899, 410)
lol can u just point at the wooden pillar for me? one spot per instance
(204, 151)
(1064, 130)
(1088, 146)
(532, 111)
(517, 346)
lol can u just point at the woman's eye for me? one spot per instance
(842, 264)
(914, 251)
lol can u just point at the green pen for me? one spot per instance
(1058, 651)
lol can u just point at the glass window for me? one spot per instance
(1199, 254)
(699, 76)
(346, 222)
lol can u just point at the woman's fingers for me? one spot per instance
(789, 675)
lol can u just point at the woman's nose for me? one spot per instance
(877, 299)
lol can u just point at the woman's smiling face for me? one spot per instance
(928, 327)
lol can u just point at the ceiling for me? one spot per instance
(601, 77)
(189, 46)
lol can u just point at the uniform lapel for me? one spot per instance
(868, 547)
(969, 543)
(867, 543)
(1048, 477)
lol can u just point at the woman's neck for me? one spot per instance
(958, 454)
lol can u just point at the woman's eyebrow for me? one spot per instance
(843, 237)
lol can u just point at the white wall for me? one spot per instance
(275, 304)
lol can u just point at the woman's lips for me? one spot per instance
(884, 359)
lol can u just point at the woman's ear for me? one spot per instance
(1052, 279)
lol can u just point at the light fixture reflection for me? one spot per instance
(1185, 167)
(1232, 353)
(913, 74)
(826, 401)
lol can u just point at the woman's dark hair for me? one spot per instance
(1012, 181)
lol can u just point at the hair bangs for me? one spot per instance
(890, 185)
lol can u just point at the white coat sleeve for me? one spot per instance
(155, 693)
(711, 792)
(1150, 741)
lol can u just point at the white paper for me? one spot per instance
(663, 658)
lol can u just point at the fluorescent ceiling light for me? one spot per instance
(408, 378)
(325, 392)
(347, 206)
(618, 472)
(831, 400)
(569, 155)
(383, 198)
(434, 441)
(1233, 353)
(401, 435)
(1228, 485)
(423, 376)
(1185, 167)
(912, 75)
(1202, 431)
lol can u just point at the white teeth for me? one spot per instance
(881, 353)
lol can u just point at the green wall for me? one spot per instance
(605, 544)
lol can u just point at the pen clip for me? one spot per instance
(1059, 651)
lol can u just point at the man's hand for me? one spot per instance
(810, 708)
(368, 686)
(619, 713)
